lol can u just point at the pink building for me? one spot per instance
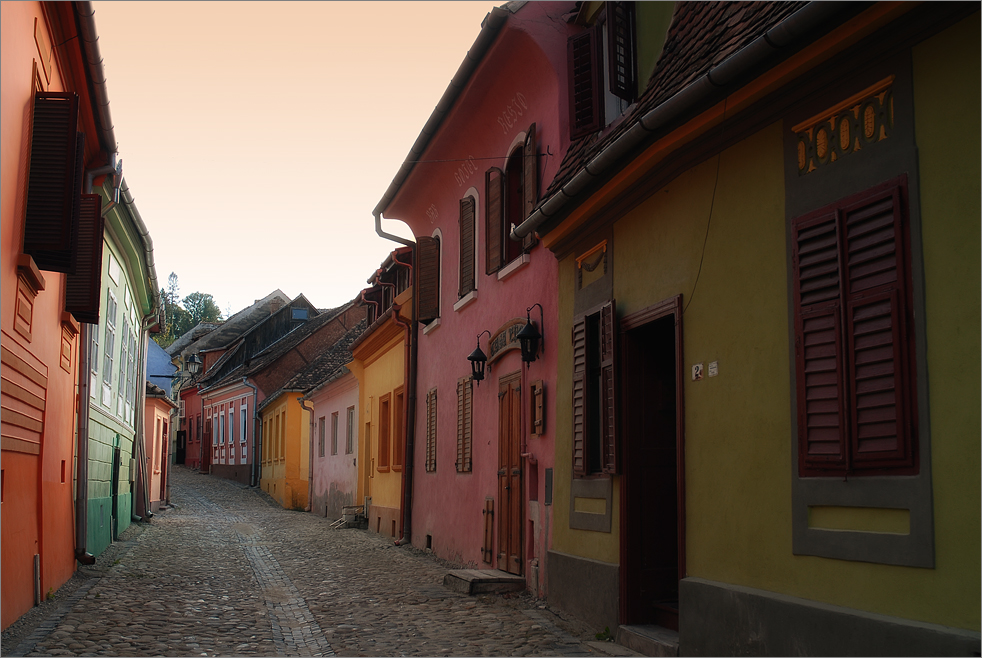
(482, 457)
(157, 422)
(335, 443)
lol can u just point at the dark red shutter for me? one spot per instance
(53, 185)
(428, 292)
(530, 184)
(621, 55)
(584, 62)
(878, 348)
(608, 375)
(466, 283)
(818, 343)
(83, 290)
(579, 396)
(494, 218)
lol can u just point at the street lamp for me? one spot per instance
(529, 336)
(478, 359)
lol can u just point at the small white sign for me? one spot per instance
(697, 370)
(713, 368)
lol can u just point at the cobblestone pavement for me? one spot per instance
(227, 571)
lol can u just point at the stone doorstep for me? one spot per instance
(649, 640)
(612, 649)
(475, 581)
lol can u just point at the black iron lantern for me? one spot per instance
(478, 359)
(194, 364)
(529, 336)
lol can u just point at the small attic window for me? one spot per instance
(299, 314)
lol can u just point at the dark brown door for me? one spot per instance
(510, 474)
(652, 522)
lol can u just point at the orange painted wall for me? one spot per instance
(37, 490)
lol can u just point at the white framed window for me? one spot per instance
(109, 350)
(231, 426)
(113, 268)
(349, 445)
(221, 429)
(94, 363)
(243, 410)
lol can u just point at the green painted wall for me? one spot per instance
(738, 427)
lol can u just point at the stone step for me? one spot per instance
(479, 581)
(649, 640)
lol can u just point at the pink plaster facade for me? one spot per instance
(230, 412)
(157, 425)
(335, 462)
(520, 81)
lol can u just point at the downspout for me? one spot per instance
(82, 450)
(361, 298)
(408, 459)
(784, 33)
(254, 480)
(310, 456)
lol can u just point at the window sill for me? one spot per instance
(432, 326)
(513, 266)
(465, 300)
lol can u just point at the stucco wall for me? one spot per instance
(335, 476)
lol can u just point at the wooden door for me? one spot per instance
(510, 504)
(652, 521)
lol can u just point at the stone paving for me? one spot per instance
(227, 571)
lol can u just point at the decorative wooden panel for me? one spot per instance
(23, 395)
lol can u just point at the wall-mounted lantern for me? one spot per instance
(529, 337)
(478, 359)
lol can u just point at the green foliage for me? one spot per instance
(179, 318)
(604, 635)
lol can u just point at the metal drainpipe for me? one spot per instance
(139, 402)
(310, 457)
(255, 434)
(412, 335)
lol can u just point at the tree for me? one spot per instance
(201, 307)
(178, 320)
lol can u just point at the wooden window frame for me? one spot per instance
(849, 390)
(321, 436)
(501, 209)
(384, 436)
(349, 444)
(594, 399)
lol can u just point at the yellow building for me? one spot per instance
(285, 450)
(380, 359)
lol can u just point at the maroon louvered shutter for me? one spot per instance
(530, 184)
(584, 62)
(621, 56)
(54, 182)
(875, 291)
(494, 218)
(608, 374)
(818, 343)
(466, 283)
(579, 396)
(428, 273)
(83, 288)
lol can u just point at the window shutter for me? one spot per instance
(818, 343)
(621, 51)
(538, 409)
(494, 218)
(608, 399)
(579, 384)
(530, 184)
(878, 348)
(585, 83)
(428, 291)
(84, 288)
(465, 388)
(54, 181)
(431, 431)
(466, 283)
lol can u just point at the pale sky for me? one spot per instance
(257, 137)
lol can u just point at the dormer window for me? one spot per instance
(603, 74)
(300, 314)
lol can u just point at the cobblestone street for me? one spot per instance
(226, 571)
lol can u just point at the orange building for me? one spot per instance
(56, 133)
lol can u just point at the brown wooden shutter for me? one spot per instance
(876, 296)
(530, 184)
(428, 274)
(818, 343)
(621, 51)
(466, 283)
(54, 183)
(538, 427)
(431, 431)
(579, 396)
(465, 388)
(83, 290)
(494, 218)
(608, 400)
(586, 112)
(486, 549)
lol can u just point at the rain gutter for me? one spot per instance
(310, 455)
(791, 29)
